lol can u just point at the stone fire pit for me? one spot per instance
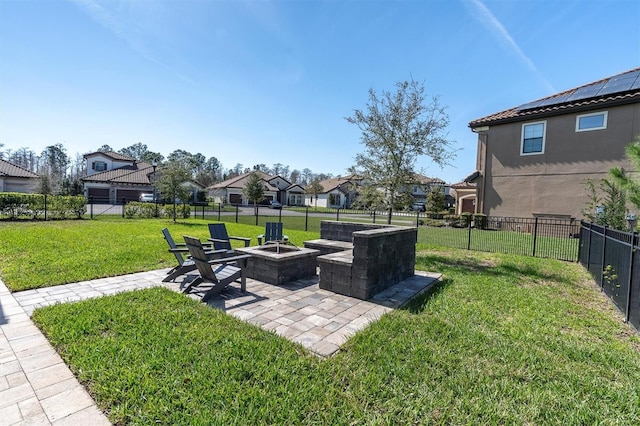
(279, 263)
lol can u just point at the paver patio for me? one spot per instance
(36, 387)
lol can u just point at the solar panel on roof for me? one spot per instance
(554, 101)
(629, 75)
(585, 92)
(636, 85)
(528, 105)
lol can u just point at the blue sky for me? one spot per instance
(271, 81)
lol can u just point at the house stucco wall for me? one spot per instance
(551, 183)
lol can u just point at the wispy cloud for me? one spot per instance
(484, 15)
(124, 30)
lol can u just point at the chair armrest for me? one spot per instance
(216, 240)
(179, 250)
(229, 259)
(247, 241)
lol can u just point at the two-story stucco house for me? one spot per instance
(112, 177)
(533, 160)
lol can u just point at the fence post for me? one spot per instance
(589, 252)
(374, 215)
(604, 251)
(123, 203)
(634, 237)
(45, 207)
(390, 214)
(219, 208)
(306, 219)
(535, 236)
(469, 236)
(280, 215)
(338, 214)
(418, 218)
(90, 207)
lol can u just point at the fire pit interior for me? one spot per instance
(278, 263)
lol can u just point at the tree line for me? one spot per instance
(61, 174)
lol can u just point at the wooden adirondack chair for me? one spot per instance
(221, 240)
(217, 272)
(185, 264)
(272, 232)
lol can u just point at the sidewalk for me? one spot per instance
(36, 387)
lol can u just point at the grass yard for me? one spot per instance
(43, 254)
(502, 340)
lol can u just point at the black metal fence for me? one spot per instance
(613, 259)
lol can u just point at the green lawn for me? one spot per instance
(502, 340)
(42, 254)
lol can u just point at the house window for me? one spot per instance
(99, 166)
(533, 138)
(595, 121)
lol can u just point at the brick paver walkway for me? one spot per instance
(36, 387)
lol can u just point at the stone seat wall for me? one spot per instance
(381, 257)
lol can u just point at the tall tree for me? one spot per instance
(54, 162)
(436, 200)
(398, 128)
(105, 148)
(294, 177)
(254, 190)
(137, 151)
(307, 176)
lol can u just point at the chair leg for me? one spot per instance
(193, 284)
(177, 272)
(213, 291)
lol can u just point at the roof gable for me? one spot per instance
(8, 169)
(112, 155)
(621, 88)
(136, 173)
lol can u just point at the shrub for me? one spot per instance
(465, 219)
(480, 220)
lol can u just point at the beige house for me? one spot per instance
(336, 193)
(14, 178)
(276, 188)
(533, 160)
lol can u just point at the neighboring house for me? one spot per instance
(14, 178)
(423, 185)
(112, 177)
(336, 193)
(275, 188)
(464, 194)
(533, 159)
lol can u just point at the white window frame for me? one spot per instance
(605, 114)
(544, 138)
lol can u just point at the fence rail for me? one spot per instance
(613, 259)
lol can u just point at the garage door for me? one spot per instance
(235, 198)
(127, 194)
(99, 195)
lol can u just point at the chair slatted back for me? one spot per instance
(173, 245)
(273, 231)
(218, 231)
(200, 258)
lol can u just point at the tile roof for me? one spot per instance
(463, 185)
(562, 102)
(8, 169)
(113, 155)
(238, 182)
(136, 173)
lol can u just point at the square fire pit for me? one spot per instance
(280, 263)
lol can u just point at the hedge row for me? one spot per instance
(16, 205)
(148, 210)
